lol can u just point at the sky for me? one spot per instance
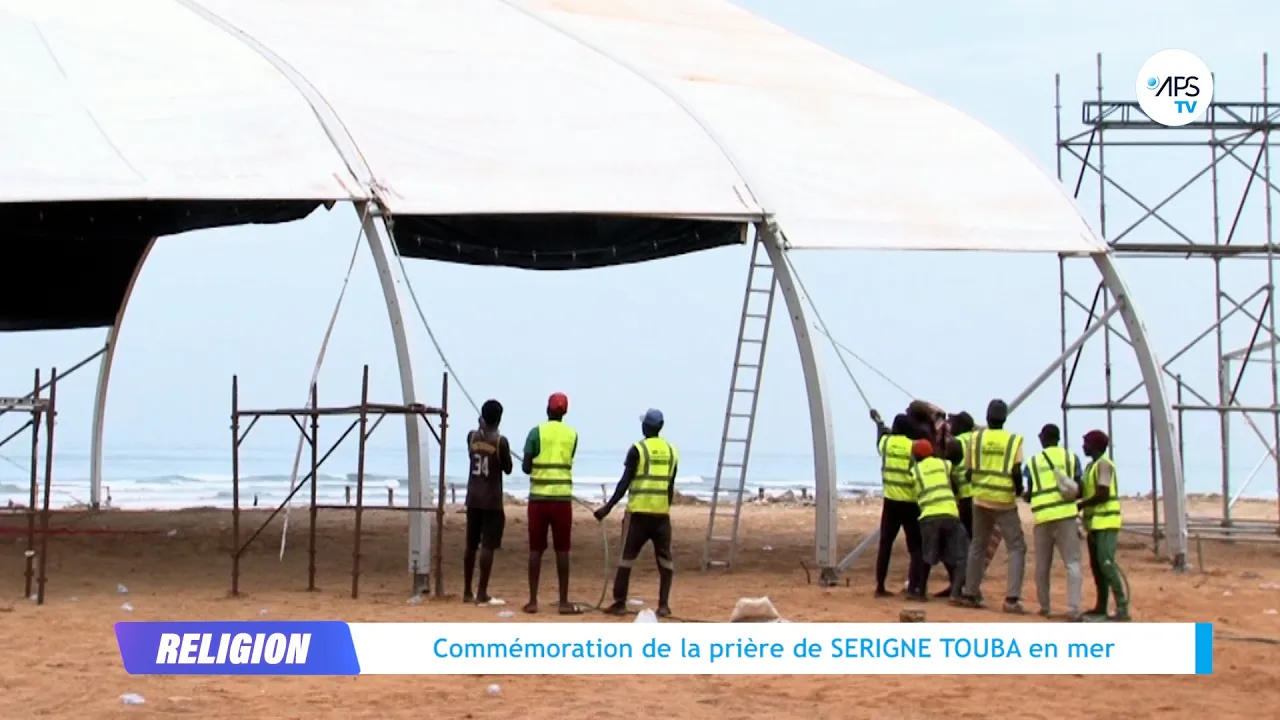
(255, 301)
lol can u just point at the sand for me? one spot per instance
(61, 660)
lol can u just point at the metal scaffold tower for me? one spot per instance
(1217, 218)
(724, 520)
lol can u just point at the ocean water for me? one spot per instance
(165, 479)
(175, 479)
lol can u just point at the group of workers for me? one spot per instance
(953, 487)
(648, 482)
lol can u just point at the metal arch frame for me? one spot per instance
(826, 493)
(1163, 427)
(99, 425)
(420, 490)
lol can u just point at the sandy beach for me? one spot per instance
(61, 660)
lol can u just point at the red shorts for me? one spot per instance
(553, 515)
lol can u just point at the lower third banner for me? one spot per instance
(338, 648)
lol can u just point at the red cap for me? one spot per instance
(558, 402)
(922, 448)
(1096, 439)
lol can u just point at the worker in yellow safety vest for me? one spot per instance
(995, 471)
(649, 481)
(898, 510)
(962, 426)
(1100, 502)
(548, 461)
(943, 538)
(1055, 516)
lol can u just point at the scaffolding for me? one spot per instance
(42, 413)
(307, 421)
(1231, 140)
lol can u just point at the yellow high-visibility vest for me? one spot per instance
(895, 468)
(933, 489)
(552, 476)
(654, 475)
(1047, 504)
(1107, 515)
(960, 470)
(991, 464)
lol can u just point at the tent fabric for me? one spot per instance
(688, 109)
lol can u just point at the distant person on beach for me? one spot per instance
(995, 470)
(1100, 502)
(490, 456)
(548, 461)
(649, 480)
(898, 510)
(943, 539)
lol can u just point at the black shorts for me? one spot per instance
(643, 528)
(484, 528)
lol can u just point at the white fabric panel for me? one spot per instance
(137, 99)
(844, 157)
(472, 106)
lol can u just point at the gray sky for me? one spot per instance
(256, 300)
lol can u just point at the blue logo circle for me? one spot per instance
(1152, 83)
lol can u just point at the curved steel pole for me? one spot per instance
(1175, 501)
(421, 493)
(99, 426)
(826, 494)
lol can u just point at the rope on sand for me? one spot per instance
(1221, 635)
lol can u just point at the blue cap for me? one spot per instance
(652, 418)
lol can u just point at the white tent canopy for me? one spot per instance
(692, 109)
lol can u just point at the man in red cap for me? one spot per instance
(548, 461)
(943, 539)
(1100, 503)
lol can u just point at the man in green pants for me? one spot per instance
(1100, 503)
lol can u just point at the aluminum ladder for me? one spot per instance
(721, 547)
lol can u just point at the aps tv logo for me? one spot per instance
(1174, 88)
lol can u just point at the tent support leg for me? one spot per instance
(421, 494)
(98, 429)
(1175, 501)
(826, 494)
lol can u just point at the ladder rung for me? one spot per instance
(729, 439)
(759, 290)
(749, 366)
(758, 316)
(753, 340)
(745, 390)
(739, 415)
(731, 465)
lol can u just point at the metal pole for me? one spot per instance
(49, 416)
(1224, 422)
(1155, 490)
(235, 485)
(35, 481)
(1066, 354)
(437, 555)
(1271, 268)
(1062, 260)
(1106, 300)
(362, 444)
(315, 480)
